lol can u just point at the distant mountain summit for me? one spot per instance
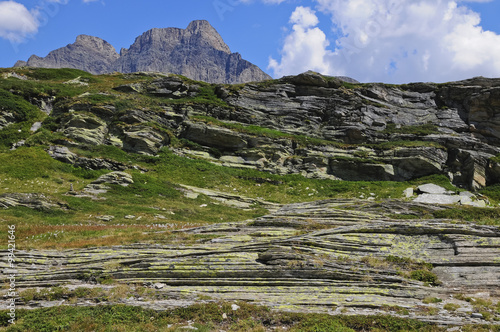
(88, 53)
(197, 52)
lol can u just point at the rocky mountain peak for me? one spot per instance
(94, 43)
(198, 52)
(88, 53)
(204, 30)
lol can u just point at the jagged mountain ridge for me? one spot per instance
(197, 52)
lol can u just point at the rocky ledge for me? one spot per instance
(335, 256)
(316, 126)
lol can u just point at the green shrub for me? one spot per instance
(492, 192)
(424, 276)
(4, 319)
(451, 306)
(482, 216)
(321, 323)
(57, 74)
(44, 137)
(124, 105)
(100, 98)
(20, 108)
(420, 130)
(429, 300)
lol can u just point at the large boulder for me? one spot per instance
(32, 201)
(218, 137)
(144, 140)
(86, 129)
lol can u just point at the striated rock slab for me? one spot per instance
(315, 256)
(32, 201)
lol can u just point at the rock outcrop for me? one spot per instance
(197, 52)
(319, 256)
(316, 126)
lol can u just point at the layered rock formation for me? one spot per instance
(321, 127)
(197, 52)
(357, 262)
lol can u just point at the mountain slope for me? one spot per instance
(294, 193)
(197, 52)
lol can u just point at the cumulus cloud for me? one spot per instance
(16, 21)
(391, 41)
(305, 47)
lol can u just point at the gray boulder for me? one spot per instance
(437, 199)
(121, 178)
(144, 140)
(85, 129)
(431, 188)
(214, 136)
(32, 201)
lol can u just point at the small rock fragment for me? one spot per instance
(408, 192)
(477, 315)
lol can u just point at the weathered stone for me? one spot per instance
(431, 188)
(408, 193)
(6, 118)
(214, 136)
(269, 261)
(85, 129)
(144, 140)
(63, 154)
(437, 199)
(17, 145)
(106, 218)
(120, 178)
(77, 81)
(36, 126)
(353, 171)
(32, 201)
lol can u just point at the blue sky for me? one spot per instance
(370, 40)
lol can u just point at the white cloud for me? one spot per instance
(391, 41)
(16, 21)
(305, 47)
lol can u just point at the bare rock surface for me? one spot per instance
(197, 52)
(318, 256)
(29, 200)
(88, 53)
